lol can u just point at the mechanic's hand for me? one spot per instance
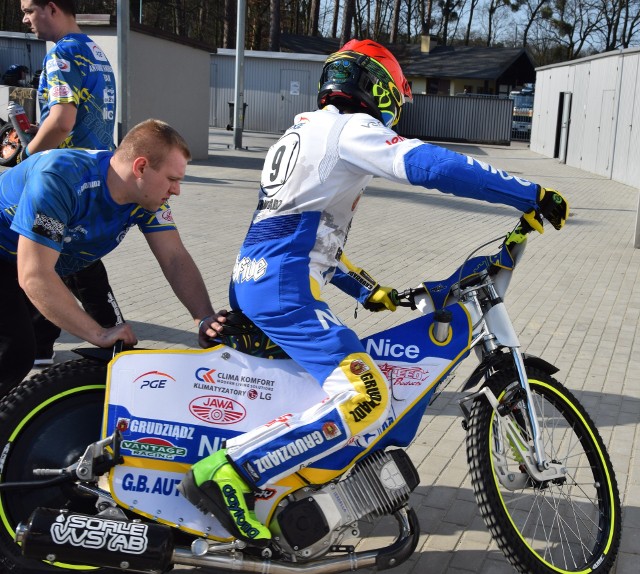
(554, 208)
(382, 298)
(211, 327)
(123, 332)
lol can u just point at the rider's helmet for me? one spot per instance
(365, 76)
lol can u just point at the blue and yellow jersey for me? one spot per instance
(60, 198)
(77, 71)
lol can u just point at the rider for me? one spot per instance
(311, 182)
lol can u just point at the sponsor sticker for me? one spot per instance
(60, 91)
(164, 216)
(157, 428)
(55, 64)
(94, 532)
(295, 448)
(404, 376)
(162, 485)
(247, 269)
(218, 410)
(98, 54)
(153, 447)
(358, 367)
(48, 227)
(153, 380)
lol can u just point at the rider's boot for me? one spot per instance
(213, 485)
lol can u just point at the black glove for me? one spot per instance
(554, 207)
(381, 298)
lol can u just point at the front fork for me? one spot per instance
(528, 450)
(538, 447)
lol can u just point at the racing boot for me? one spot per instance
(213, 485)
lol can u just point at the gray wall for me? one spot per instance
(603, 130)
(277, 86)
(166, 80)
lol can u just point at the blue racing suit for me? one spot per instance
(311, 182)
(77, 71)
(59, 198)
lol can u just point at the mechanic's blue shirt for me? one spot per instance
(60, 199)
(77, 71)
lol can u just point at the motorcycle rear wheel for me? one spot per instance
(570, 524)
(9, 145)
(47, 422)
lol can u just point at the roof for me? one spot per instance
(473, 62)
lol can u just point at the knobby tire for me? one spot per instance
(571, 524)
(47, 422)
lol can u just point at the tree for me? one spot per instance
(274, 28)
(347, 20)
(393, 35)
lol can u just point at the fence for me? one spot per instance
(458, 119)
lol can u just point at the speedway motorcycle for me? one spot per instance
(92, 451)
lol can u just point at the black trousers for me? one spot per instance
(91, 287)
(20, 320)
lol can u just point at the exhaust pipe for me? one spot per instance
(135, 546)
(61, 536)
(381, 559)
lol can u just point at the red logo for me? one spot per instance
(166, 215)
(155, 375)
(330, 430)
(358, 367)
(281, 419)
(217, 410)
(207, 377)
(122, 425)
(405, 376)
(252, 394)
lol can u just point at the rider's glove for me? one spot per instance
(553, 206)
(381, 298)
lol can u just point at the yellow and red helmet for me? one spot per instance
(365, 76)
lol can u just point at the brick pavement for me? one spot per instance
(575, 301)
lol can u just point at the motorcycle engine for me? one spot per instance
(312, 521)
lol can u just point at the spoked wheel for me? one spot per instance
(9, 145)
(568, 524)
(47, 422)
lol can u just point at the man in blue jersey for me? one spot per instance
(311, 183)
(61, 210)
(77, 97)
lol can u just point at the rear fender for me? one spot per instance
(504, 360)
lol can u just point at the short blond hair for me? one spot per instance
(153, 139)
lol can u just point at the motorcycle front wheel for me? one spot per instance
(9, 145)
(46, 423)
(569, 524)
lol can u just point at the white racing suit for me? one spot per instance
(311, 183)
